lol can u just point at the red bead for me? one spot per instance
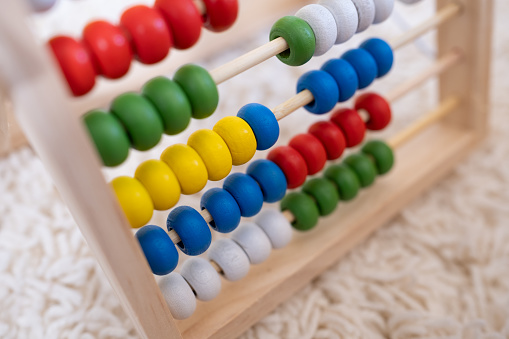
(183, 19)
(75, 62)
(221, 14)
(150, 36)
(331, 138)
(291, 163)
(110, 48)
(350, 122)
(311, 150)
(378, 109)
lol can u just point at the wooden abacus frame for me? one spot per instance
(58, 137)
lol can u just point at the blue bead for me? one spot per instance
(223, 208)
(271, 179)
(192, 229)
(346, 77)
(382, 53)
(161, 254)
(246, 192)
(263, 123)
(324, 89)
(364, 65)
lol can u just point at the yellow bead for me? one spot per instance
(187, 166)
(134, 199)
(239, 137)
(160, 182)
(213, 151)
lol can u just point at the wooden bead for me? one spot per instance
(160, 182)
(194, 233)
(134, 200)
(247, 193)
(324, 89)
(324, 193)
(150, 35)
(345, 75)
(187, 166)
(109, 136)
(221, 14)
(140, 118)
(300, 39)
(270, 177)
(330, 136)
(276, 227)
(303, 208)
(382, 53)
(312, 151)
(364, 64)
(178, 295)
(366, 13)
(378, 109)
(253, 241)
(200, 88)
(364, 168)
(381, 153)
(232, 259)
(214, 152)
(75, 62)
(202, 277)
(239, 137)
(323, 25)
(351, 124)
(110, 47)
(160, 252)
(223, 208)
(346, 17)
(291, 163)
(183, 19)
(383, 10)
(171, 102)
(346, 181)
(263, 123)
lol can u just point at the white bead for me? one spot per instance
(277, 228)
(230, 257)
(409, 2)
(346, 17)
(178, 295)
(253, 241)
(42, 5)
(323, 25)
(383, 10)
(366, 13)
(202, 277)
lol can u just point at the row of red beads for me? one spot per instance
(307, 153)
(146, 33)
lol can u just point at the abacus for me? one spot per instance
(426, 151)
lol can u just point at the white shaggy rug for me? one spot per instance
(439, 270)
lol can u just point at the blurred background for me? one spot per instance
(440, 269)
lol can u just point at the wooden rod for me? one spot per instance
(441, 65)
(445, 14)
(248, 60)
(430, 118)
(200, 5)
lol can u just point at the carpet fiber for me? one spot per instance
(440, 269)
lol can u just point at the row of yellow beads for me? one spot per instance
(185, 169)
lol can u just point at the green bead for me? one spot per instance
(363, 167)
(109, 136)
(382, 155)
(171, 102)
(346, 181)
(300, 39)
(140, 118)
(200, 88)
(303, 208)
(325, 194)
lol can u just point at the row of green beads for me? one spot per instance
(320, 196)
(139, 120)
